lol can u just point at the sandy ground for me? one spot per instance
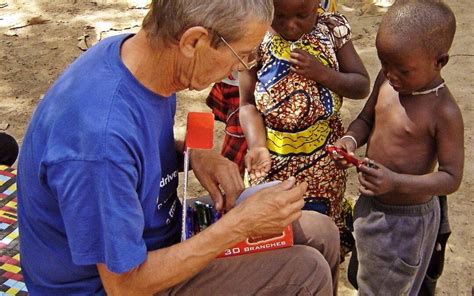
(38, 39)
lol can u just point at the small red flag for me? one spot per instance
(200, 130)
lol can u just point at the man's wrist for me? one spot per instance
(232, 225)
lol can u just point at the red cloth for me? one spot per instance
(224, 103)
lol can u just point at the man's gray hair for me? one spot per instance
(168, 19)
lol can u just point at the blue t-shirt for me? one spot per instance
(97, 176)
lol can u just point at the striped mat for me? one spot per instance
(11, 279)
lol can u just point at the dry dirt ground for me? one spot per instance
(39, 38)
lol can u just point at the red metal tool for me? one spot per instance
(349, 158)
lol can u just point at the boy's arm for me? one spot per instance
(450, 148)
(257, 159)
(351, 81)
(361, 127)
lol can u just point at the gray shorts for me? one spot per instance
(394, 245)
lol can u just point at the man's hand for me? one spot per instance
(258, 162)
(375, 179)
(270, 210)
(219, 176)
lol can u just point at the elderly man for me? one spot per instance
(94, 217)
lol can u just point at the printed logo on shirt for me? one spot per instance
(167, 200)
(169, 177)
(171, 212)
(159, 205)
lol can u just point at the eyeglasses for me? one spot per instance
(251, 57)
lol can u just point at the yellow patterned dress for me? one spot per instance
(302, 117)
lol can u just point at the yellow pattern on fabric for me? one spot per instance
(303, 142)
(337, 101)
(281, 48)
(328, 5)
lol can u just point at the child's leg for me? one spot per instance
(352, 268)
(394, 245)
(435, 268)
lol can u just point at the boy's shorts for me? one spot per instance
(394, 245)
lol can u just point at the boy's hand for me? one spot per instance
(258, 162)
(375, 179)
(349, 146)
(306, 65)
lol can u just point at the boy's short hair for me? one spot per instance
(168, 19)
(430, 21)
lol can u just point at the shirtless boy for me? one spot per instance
(414, 134)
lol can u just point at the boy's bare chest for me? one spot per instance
(408, 118)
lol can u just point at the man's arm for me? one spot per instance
(267, 211)
(218, 175)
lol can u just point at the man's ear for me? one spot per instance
(442, 60)
(191, 38)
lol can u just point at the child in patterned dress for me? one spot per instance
(290, 103)
(223, 99)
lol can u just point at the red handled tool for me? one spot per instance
(349, 158)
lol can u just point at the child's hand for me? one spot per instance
(375, 179)
(306, 65)
(258, 162)
(349, 146)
